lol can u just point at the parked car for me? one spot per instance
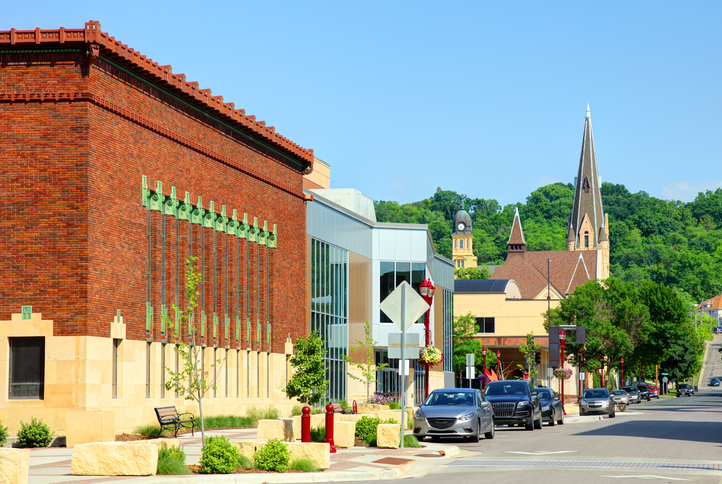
(653, 391)
(620, 397)
(597, 400)
(551, 404)
(685, 389)
(643, 391)
(718, 329)
(633, 394)
(714, 382)
(454, 412)
(515, 403)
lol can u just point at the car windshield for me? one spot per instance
(450, 398)
(630, 389)
(544, 394)
(506, 388)
(596, 393)
(618, 392)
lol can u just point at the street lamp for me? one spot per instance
(498, 362)
(426, 290)
(621, 361)
(562, 340)
(483, 352)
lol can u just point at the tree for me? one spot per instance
(529, 350)
(464, 342)
(191, 382)
(368, 367)
(308, 382)
(472, 273)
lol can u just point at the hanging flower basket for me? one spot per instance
(483, 378)
(431, 355)
(563, 373)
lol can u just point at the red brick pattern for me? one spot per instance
(73, 232)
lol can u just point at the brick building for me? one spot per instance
(115, 170)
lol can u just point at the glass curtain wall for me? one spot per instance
(393, 273)
(448, 330)
(329, 311)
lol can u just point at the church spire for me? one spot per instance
(517, 242)
(587, 215)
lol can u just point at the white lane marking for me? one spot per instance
(540, 452)
(647, 477)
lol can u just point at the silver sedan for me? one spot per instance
(597, 400)
(454, 412)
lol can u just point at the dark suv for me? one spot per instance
(684, 389)
(515, 403)
(643, 391)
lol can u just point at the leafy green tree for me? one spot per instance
(529, 350)
(463, 333)
(308, 382)
(191, 381)
(472, 273)
(368, 367)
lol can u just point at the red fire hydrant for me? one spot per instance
(306, 425)
(329, 427)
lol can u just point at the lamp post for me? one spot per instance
(579, 360)
(483, 352)
(621, 361)
(562, 339)
(426, 290)
(498, 363)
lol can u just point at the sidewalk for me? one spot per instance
(52, 465)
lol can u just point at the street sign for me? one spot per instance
(404, 367)
(665, 379)
(470, 359)
(664, 373)
(411, 346)
(415, 306)
(470, 373)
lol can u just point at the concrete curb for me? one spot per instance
(380, 475)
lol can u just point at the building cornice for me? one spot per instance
(98, 43)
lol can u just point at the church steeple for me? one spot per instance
(587, 215)
(517, 242)
(462, 237)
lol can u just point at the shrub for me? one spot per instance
(394, 406)
(304, 464)
(411, 441)
(218, 456)
(171, 462)
(366, 426)
(318, 434)
(298, 410)
(151, 431)
(244, 462)
(382, 398)
(274, 456)
(3, 434)
(35, 434)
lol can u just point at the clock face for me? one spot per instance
(460, 226)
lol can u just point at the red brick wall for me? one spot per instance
(88, 162)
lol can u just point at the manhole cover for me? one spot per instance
(396, 461)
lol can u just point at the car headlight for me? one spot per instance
(583, 403)
(545, 407)
(522, 404)
(466, 418)
(419, 415)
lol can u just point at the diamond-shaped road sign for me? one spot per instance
(414, 304)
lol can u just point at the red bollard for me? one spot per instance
(306, 425)
(329, 427)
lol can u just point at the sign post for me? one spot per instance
(470, 367)
(403, 306)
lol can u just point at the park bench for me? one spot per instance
(168, 417)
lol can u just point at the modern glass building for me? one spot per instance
(355, 263)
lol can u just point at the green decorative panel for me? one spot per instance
(228, 328)
(210, 219)
(146, 191)
(243, 227)
(248, 333)
(177, 322)
(268, 336)
(253, 231)
(263, 234)
(232, 228)
(258, 335)
(185, 208)
(203, 324)
(163, 315)
(148, 317)
(198, 213)
(117, 317)
(171, 203)
(272, 238)
(157, 199)
(190, 322)
(27, 313)
(222, 220)
(215, 326)
(238, 331)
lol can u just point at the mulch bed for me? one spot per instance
(130, 438)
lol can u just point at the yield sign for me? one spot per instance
(404, 295)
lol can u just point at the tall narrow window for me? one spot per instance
(27, 368)
(461, 244)
(586, 239)
(162, 370)
(147, 370)
(116, 350)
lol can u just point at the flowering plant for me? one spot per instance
(483, 378)
(382, 398)
(563, 373)
(431, 355)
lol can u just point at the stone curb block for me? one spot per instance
(114, 459)
(14, 466)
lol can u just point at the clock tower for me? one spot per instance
(462, 241)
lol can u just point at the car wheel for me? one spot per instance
(649, 399)
(552, 422)
(490, 433)
(678, 395)
(612, 414)
(538, 423)
(582, 413)
(475, 437)
(530, 425)
(561, 419)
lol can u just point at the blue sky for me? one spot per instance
(483, 98)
